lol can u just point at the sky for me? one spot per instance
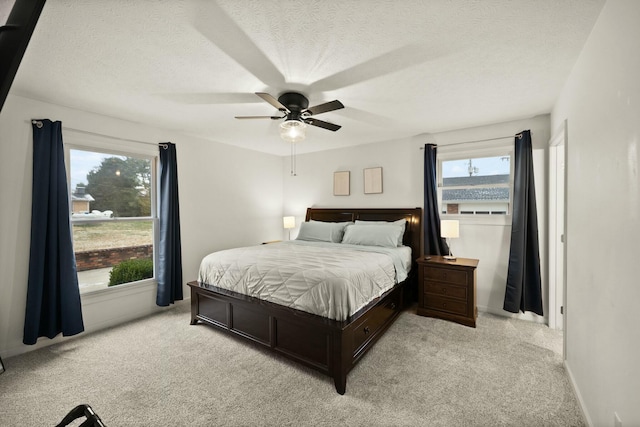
(82, 162)
(485, 166)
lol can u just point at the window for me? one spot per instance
(475, 184)
(112, 201)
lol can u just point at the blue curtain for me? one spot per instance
(524, 285)
(53, 297)
(433, 243)
(169, 268)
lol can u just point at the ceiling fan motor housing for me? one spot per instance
(295, 102)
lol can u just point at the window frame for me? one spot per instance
(464, 152)
(87, 141)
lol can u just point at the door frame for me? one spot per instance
(557, 228)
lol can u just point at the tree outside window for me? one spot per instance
(113, 238)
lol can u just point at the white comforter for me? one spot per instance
(332, 280)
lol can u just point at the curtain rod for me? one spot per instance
(39, 125)
(518, 135)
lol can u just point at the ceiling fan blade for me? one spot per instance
(271, 100)
(259, 117)
(322, 124)
(323, 108)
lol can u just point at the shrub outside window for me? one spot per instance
(112, 216)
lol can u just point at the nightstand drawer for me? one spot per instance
(439, 288)
(446, 305)
(448, 275)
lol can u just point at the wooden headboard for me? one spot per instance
(412, 233)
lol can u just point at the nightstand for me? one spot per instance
(447, 289)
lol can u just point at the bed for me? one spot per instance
(332, 346)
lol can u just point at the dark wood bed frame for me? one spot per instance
(329, 346)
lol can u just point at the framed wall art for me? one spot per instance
(341, 184)
(373, 180)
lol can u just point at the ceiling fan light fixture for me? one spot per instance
(293, 131)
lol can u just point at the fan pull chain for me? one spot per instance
(293, 159)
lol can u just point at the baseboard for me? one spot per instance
(528, 316)
(576, 391)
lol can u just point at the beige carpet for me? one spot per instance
(161, 371)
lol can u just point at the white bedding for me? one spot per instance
(333, 280)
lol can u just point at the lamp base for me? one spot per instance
(449, 257)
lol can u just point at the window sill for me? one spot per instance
(104, 293)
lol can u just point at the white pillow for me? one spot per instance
(402, 222)
(385, 235)
(318, 231)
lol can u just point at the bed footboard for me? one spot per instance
(329, 346)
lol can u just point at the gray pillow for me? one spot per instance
(318, 231)
(385, 235)
(402, 222)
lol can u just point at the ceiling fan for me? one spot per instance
(297, 114)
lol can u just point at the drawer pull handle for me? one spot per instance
(444, 305)
(393, 306)
(444, 290)
(366, 330)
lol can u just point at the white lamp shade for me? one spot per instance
(289, 221)
(450, 228)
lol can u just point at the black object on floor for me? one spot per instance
(93, 420)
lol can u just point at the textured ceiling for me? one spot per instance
(401, 68)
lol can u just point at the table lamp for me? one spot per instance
(449, 229)
(289, 222)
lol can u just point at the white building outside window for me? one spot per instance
(475, 182)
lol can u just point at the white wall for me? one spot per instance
(601, 102)
(403, 180)
(228, 197)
